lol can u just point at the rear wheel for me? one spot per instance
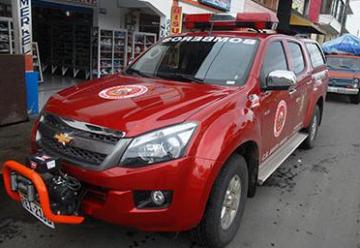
(355, 99)
(312, 129)
(226, 205)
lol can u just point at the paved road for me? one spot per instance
(312, 201)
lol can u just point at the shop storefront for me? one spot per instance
(76, 40)
(92, 38)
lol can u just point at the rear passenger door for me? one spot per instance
(299, 96)
(276, 119)
(319, 72)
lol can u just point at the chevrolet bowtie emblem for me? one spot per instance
(63, 138)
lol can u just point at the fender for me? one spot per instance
(229, 124)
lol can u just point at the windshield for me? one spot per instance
(214, 60)
(343, 63)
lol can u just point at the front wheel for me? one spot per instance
(226, 205)
(312, 129)
(355, 99)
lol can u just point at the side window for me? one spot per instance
(297, 57)
(316, 56)
(275, 59)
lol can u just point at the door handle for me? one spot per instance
(266, 94)
(292, 91)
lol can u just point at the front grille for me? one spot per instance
(88, 147)
(72, 153)
(55, 122)
(341, 82)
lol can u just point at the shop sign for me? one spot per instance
(23, 8)
(219, 4)
(298, 5)
(176, 20)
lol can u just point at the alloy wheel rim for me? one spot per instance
(231, 203)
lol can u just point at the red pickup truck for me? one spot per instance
(182, 137)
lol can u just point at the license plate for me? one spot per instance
(35, 209)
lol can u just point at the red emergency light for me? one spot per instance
(256, 21)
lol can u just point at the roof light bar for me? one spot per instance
(242, 20)
(222, 17)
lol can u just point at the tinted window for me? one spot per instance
(316, 56)
(214, 60)
(275, 59)
(297, 57)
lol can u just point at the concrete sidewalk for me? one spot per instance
(15, 141)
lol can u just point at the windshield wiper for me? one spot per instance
(188, 77)
(132, 71)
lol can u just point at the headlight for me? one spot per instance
(158, 146)
(356, 81)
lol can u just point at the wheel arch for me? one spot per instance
(250, 151)
(320, 102)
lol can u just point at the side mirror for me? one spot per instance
(280, 80)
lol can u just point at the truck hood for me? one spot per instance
(153, 104)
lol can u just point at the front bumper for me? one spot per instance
(110, 196)
(43, 195)
(341, 90)
(187, 178)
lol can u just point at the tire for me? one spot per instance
(253, 180)
(355, 99)
(312, 130)
(214, 231)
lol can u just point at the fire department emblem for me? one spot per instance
(63, 138)
(123, 92)
(280, 118)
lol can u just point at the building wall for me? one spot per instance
(251, 6)
(115, 16)
(314, 10)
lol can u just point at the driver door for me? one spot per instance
(276, 120)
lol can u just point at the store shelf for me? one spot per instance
(6, 36)
(138, 43)
(109, 51)
(65, 46)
